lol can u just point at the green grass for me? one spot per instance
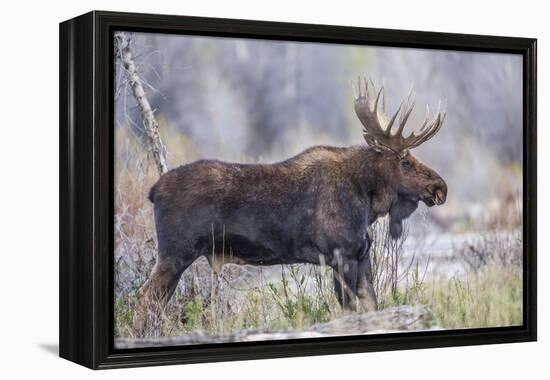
(491, 298)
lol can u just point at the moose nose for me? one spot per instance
(440, 192)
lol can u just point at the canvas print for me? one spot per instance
(269, 190)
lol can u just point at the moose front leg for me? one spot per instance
(345, 284)
(365, 288)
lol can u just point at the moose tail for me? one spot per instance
(152, 193)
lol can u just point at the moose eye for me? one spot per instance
(406, 165)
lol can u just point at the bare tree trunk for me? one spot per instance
(156, 145)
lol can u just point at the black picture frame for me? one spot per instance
(86, 189)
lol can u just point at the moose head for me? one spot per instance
(401, 173)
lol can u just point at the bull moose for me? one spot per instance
(317, 205)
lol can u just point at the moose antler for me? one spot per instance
(376, 134)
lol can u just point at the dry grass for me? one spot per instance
(301, 297)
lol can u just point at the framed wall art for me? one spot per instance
(236, 189)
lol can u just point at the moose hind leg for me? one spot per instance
(345, 284)
(154, 295)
